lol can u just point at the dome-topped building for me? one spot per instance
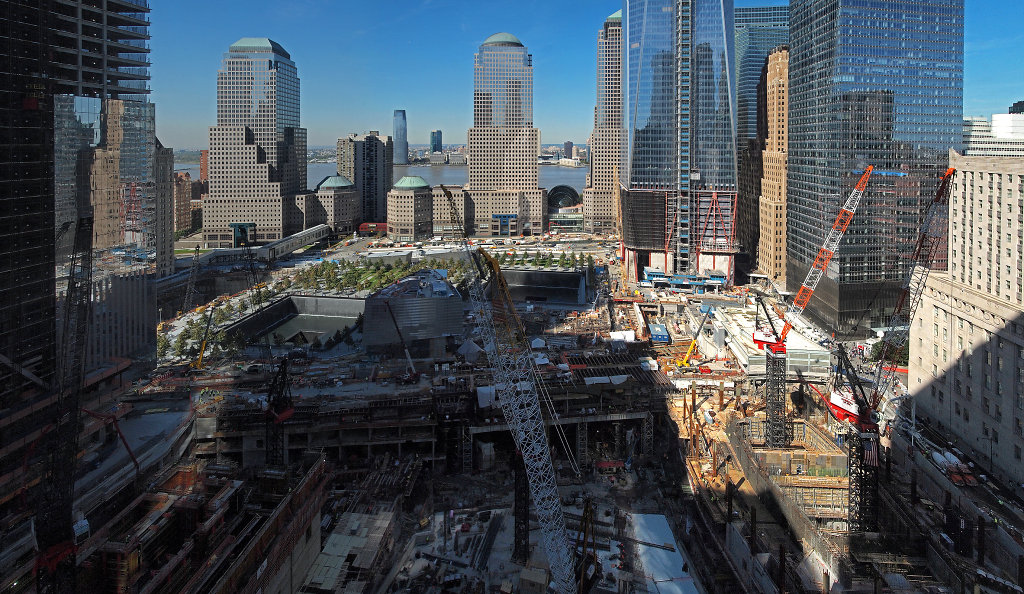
(410, 210)
(334, 181)
(503, 39)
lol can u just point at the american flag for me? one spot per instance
(870, 452)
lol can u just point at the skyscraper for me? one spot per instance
(368, 160)
(435, 141)
(771, 253)
(77, 137)
(679, 170)
(567, 149)
(888, 95)
(257, 159)
(401, 135)
(503, 144)
(599, 208)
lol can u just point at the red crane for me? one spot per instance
(111, 419)
(774, 344)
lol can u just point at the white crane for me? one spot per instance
(517, 387)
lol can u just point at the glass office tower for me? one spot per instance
(759, 29)
(871, 84)
(401, 134)
(679, 99)
(435, 141)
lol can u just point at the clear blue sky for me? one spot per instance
(360, 60)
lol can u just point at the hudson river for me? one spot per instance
(456, 175)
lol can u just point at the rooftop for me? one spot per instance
(258, 44)
(503, 39)
(411, 182)
(615, 16)
(334, 181)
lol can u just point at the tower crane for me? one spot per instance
(517, 387)
(190, 288)
(865, 447)
(774, 344)
(55, 564)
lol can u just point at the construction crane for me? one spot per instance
(865, 445)
(774, 344)
(928, 241)
(280, 408)
(190, 288)
(54, 521)
(696, 335)
(111, 419)
(517, 387)
(408, 357)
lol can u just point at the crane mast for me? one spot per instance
(516, 385)
(55, 564)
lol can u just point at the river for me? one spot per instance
(456, 175)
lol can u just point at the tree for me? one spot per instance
(163, 344)
(219, 316)
(278, 339)
(179, 345)
(900, 357)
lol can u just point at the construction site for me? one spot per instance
(459, 431)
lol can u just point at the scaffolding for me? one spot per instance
(863, 463)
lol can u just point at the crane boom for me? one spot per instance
(696, 334)
(928, 241)
(516, 385)
(190, 289)
(825, 253)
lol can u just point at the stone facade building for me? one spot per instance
(771, 251)
(366, 160)
(966, 370)
(599, 208)
(410, 210)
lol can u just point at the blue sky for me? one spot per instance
(359, 61)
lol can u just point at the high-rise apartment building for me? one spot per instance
(401, 135)
(257, 149)
(1017, 107)
(679, 170)
(368, 160)
(758, 30)
(876, 84)
(567, 149)
(771, 252)
(1000, 136)
(503, 144)
(966, 370)
(435, 141)
(599, 208)
(204, 165)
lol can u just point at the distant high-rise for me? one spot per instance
(599, 208)
(759, 29)
(435, 141)
(1017, 107)
(860, 96)
(679, 168)
(401, 136)
(1000, 136)
(567, 149)
(503, 144)
(257, 149)
(368, 160)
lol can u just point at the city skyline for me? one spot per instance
(563, 50)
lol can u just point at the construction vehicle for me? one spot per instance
(519, 388)
(693, 341)
(774, 343)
